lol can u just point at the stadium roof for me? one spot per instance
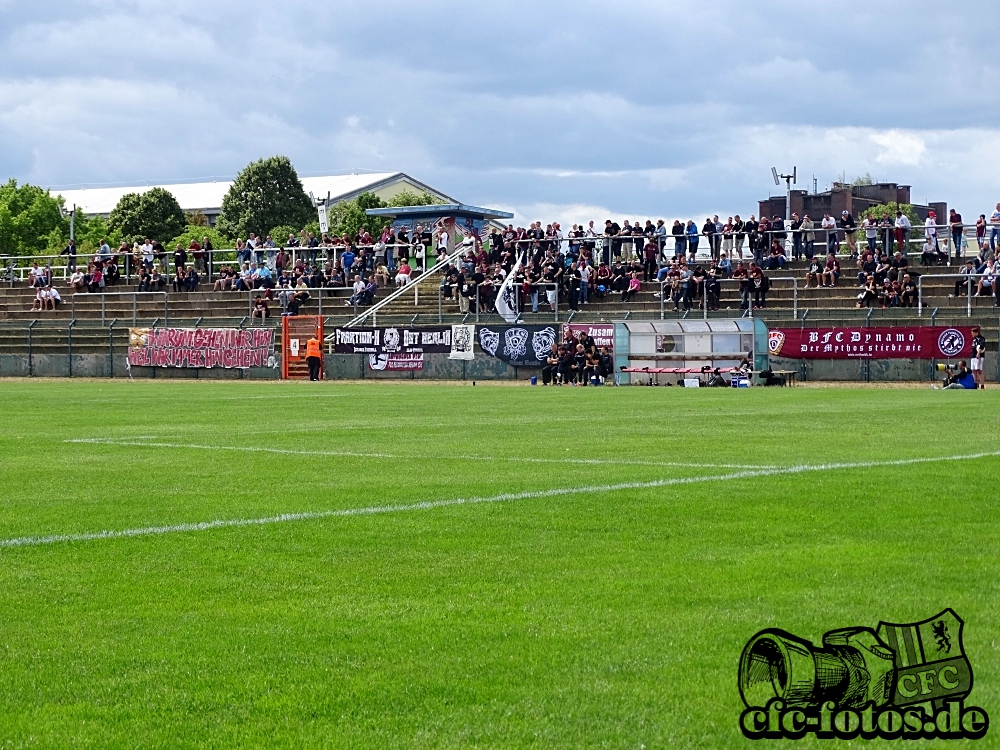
(441, 209)
(207, 196)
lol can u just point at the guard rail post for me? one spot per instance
(135, 305)
(31, 369)
(102, 308)
(968, 297)
(661, 300)
(556, 308)
(477, 303)
(920, 295)
(69, 341)
(111, 348)
(439, 305)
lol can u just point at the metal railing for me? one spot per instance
(135, 304)
(968, 287)
(704, 294)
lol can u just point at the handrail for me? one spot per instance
(411, 286)
(968, 287)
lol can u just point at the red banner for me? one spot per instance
(603, 334)
(200, 347)
(396, 361)
(910, 342)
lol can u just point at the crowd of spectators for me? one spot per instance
(577, 361)
(686, 261)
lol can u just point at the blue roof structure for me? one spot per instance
(440, 209)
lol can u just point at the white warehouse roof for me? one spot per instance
(207, 196)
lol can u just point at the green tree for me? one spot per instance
(888, 211)
(266, 194)
(28, 216)
(409, 198)
(155, 214)
(348, 217)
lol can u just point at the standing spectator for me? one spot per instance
(978, 357)
(930, 231)
(957, 232)
(829, 224)
(850, 228)
(994, 228)
(680, 239)
(70, 252)
(981, 231)
(727, 237)
(650, 253)
(796, 226)
(808, 237)
(739, 235)
(180, 259)
(692, 240)
(870, 225)
(902, 229)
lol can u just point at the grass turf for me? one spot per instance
(600, 619)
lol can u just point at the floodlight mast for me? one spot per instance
(790, 179)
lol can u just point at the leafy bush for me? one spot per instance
(155, 214)
(266, 194)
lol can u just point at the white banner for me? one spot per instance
(506, 303)
(462, 341)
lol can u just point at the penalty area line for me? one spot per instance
(138, 443)
(35, 541)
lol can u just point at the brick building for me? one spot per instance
(852, 198)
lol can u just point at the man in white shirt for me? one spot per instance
(586, 271)
(442, 242)
(930, 231)
(147, 254)
(52, 297)
(830, 224)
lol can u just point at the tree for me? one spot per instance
(888, 211)
(409, 198)
(155, 214)
(266, 194)
(28, 216)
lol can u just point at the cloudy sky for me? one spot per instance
(573, 110)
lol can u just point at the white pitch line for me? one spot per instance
(34, 541)
(132, 443)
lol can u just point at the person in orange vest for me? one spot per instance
(314, 357)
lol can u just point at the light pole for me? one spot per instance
(72, 216)
(790, 179)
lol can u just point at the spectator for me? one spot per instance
(985, 287)
(994, 228)
(829, 225)
(930, 231)
(978, 357)
(633, 286)
(739, 236)
(70, 252)
(901, 232)
(692, 241)
(180, 258)
(957, 232)
(869, 295)
(870, 225)
(981, 232)
(76, 280)
(760, 285)
(831, 271)
(850, 228)
(680, 238)
(966, 272)
(551, 366)
(260, 309)
(796, 226)
(908, 295)
(814, 270)
(403, 274)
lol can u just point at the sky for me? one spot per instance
(555, 110)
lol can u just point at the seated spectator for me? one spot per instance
(908, 294)
(814, 270)
(41, 297)
(898, 266)
(777, 259)
(260, 308)
(295, 302)
(985, 286)
(156, 281)
(628, 294)
(179, 280)
(191, 280)
(76, 280)
(52, 298)
(95, 282)
(831, 271)
(928, 255)
(870, 294)
(359, 289)
(403, 274)
(382, 275)
(967, 272)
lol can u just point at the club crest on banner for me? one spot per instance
(515, 343)
(489, 340)
(775, 340)
(542, 341)
(951, 342)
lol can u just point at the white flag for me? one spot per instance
(462, 338)
(507, 296)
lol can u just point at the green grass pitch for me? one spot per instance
(594, 617)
